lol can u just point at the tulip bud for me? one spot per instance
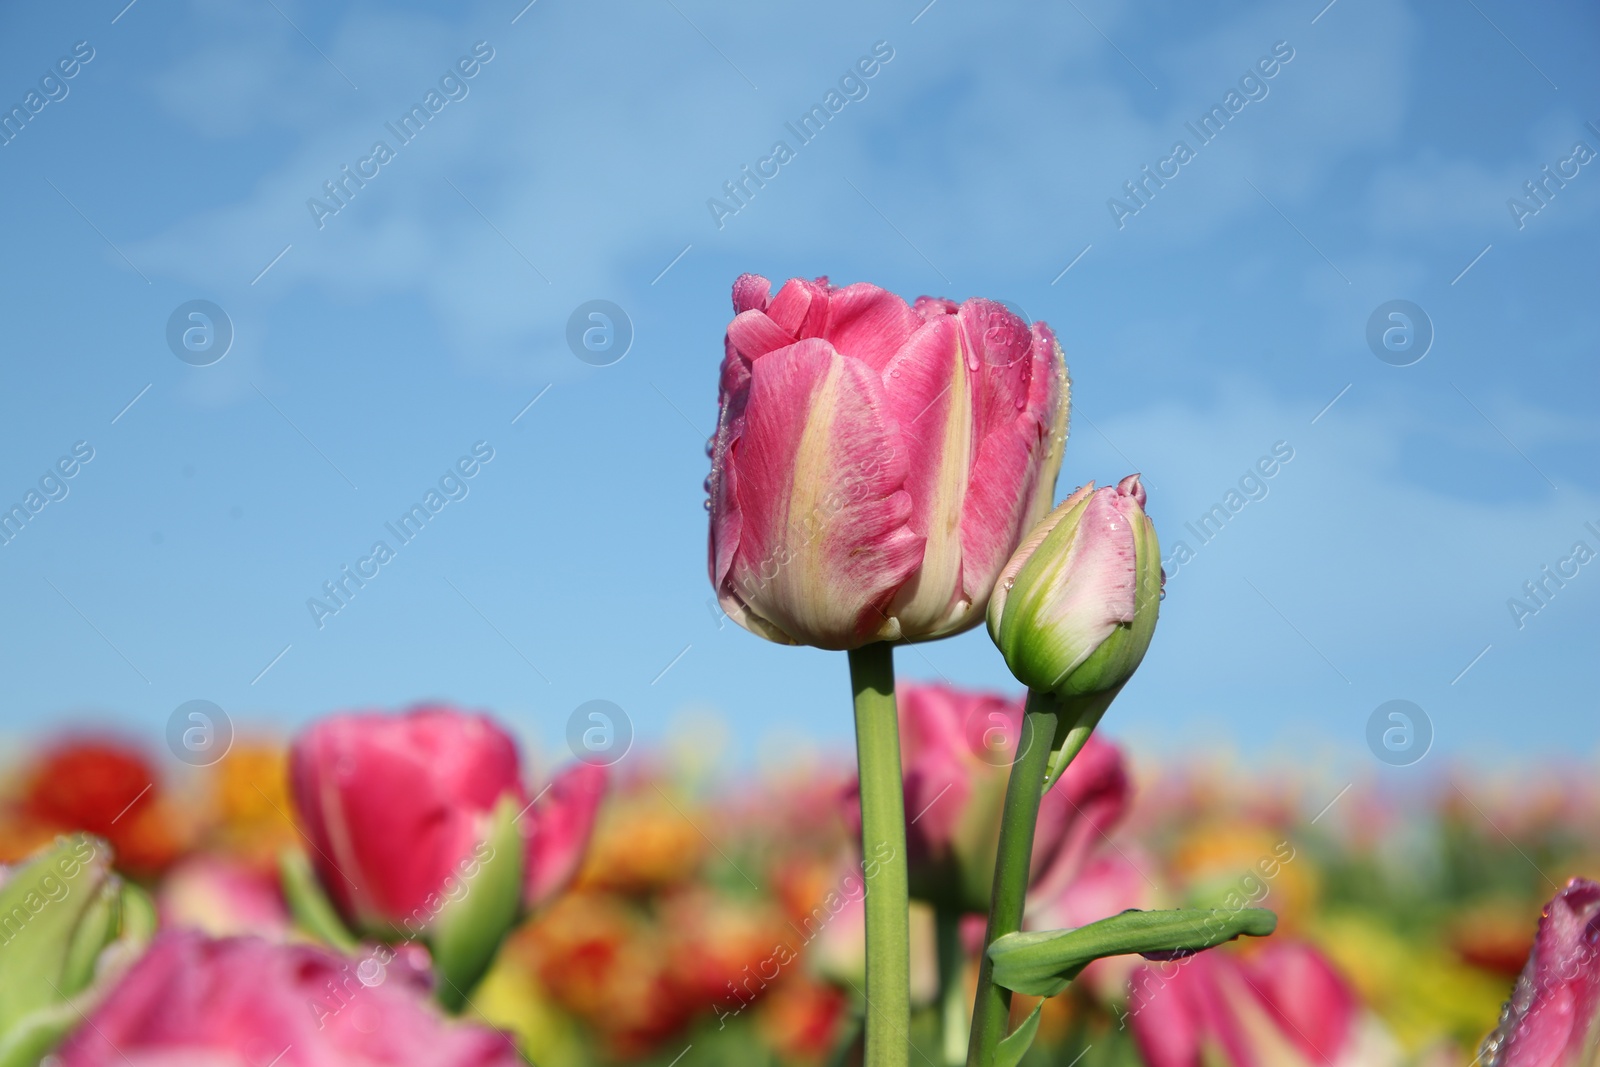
(67, 926)
(1553, 1016)
(1076, 606)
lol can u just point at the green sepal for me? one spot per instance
(1015, 1045)
(312, 910)
(1079, 716)
(98, 925)
(137, 918)
(1042, 964)
(466, 934)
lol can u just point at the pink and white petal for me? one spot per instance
(1078, 596)
(1024, 552)
(1050, 399)
(928, 394)
(869, 323)
(824, 543)
(1016, 402)
(1316, 1007)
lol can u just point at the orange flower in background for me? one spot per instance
(641, 842)
(110, 789)
(599, 957)
(723, 952)
(250, 804)
(802, 1019)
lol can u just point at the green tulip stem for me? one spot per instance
(952, 985)
(883, 842)
(991, 1010)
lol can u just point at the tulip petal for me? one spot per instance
(1077, 596)
(1092, 797)
(869, 323)
(750, 291)
(800, 304)
(1019, 412)
(1314, 1006)
(824, 539)
(561, 821)
(1030, 544)
(929, 392)
(392, 804)
(754, 334)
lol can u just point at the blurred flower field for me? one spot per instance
(719, 920)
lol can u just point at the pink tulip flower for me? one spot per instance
(1553, 1017)
(876, 462)
(957, 749)
(209, 1003)
(398, 809)
(1284, 1006)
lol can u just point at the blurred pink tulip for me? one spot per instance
(222, 898)
(1284, 1006)
(398, 807)
(557, 827)
(957, 749)
(876, 463)
(195, 1002)
(1553, 1017)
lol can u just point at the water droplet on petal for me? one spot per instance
(1009, 582)
(711, 445)
(706, 503)
(706, 485)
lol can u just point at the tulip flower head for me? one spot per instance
(1076, 605)
(876, 462)
(192, 1000)
(1553, 1016)
(421, 829)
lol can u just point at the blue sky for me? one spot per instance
(375, 346)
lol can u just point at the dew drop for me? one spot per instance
(706, 503)
(711, 445)
(1008, 583)
(706, 485)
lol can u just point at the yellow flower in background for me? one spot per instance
(1423, 992)
(253, 817)
(642, 842)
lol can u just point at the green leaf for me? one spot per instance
(466, 934)
(1041, 964)
(1015, 1045)
(310, 906)
(44, 906)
